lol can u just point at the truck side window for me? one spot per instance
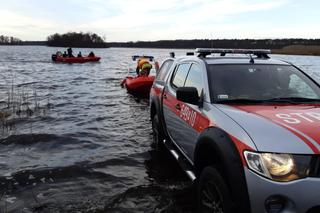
(165, 67)
(194, 78)
(180, 75)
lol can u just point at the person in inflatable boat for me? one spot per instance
(140, 63)
(91, 54)
(145, 69)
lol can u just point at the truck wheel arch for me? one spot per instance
(215, 148)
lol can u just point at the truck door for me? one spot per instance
(185, 121)
(194, 120)
(159, 83)
(171, 106)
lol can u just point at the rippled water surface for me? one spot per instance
(71, 140)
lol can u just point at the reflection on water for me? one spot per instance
(87, 145)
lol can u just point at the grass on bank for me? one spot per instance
(298, 50)
(21, 102)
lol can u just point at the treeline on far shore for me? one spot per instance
(92, 40)
(9, 40)
(219, 43)
(278, 46)
(74, 39)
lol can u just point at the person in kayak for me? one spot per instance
(79, 55)
(64, 54)
(70, 52)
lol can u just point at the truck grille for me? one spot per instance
(314, 210)
(315, 167)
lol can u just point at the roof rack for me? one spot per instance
(135, 57)
(172, 54)
(260, 53)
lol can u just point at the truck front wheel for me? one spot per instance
(158, 135)
(212, 193)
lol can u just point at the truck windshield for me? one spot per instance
(260, 83)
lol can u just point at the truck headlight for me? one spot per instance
(278, 164)
(278, 167)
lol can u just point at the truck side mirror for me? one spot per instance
(188, 95)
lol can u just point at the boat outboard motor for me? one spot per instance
(54, 57)
(172, 54)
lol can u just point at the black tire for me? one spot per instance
(158, 135)
(212, 193)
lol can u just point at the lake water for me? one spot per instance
(72, 140)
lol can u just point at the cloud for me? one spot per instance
(23, 26)
(11, 19)
(127, 20)
(156, 19)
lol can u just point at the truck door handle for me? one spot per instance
(164, 96)
(178, 107)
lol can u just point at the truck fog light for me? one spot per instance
(275, 204)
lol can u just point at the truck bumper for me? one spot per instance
(296, 196)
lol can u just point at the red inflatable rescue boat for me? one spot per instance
(58, 57)
(77, 59)
(139, 85)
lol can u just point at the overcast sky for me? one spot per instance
(132, 20)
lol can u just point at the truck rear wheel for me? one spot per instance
(212, 192)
